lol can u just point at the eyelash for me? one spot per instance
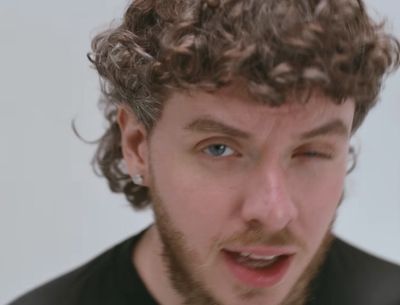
(206, 150)
(308, 154)
(315, 154)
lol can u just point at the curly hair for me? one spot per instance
(276, 47)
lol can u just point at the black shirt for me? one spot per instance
(108, 279)
(348, 277)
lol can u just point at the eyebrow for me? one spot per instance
(207, 125)
(334, 127)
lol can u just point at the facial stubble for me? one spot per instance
(177, 257)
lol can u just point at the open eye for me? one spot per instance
(219, 150)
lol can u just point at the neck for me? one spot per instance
(147, 258)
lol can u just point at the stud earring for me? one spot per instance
(137, 179)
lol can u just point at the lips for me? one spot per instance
(258, 267)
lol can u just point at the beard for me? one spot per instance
(178, 260)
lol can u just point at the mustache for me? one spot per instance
(258, 236)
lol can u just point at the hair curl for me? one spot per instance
(276, 46)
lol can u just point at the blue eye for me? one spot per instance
(219, 150)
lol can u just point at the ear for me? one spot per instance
(134, 143)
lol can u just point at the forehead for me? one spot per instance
(233, 106)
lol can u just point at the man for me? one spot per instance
(232, 120)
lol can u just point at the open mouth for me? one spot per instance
(257, 270)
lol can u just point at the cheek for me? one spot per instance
(197, 205)
(318, 199)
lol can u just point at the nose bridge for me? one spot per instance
(269, 200)
(272, 181)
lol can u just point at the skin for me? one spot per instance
(224, 170)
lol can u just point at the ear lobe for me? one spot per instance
(133, 142)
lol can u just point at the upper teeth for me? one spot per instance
(254, 256)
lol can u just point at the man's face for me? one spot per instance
(245, 194)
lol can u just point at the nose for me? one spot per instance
(268, 200)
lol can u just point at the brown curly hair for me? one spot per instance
(275, 46)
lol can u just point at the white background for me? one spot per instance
(55, 213)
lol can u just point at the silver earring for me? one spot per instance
(137, 179)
